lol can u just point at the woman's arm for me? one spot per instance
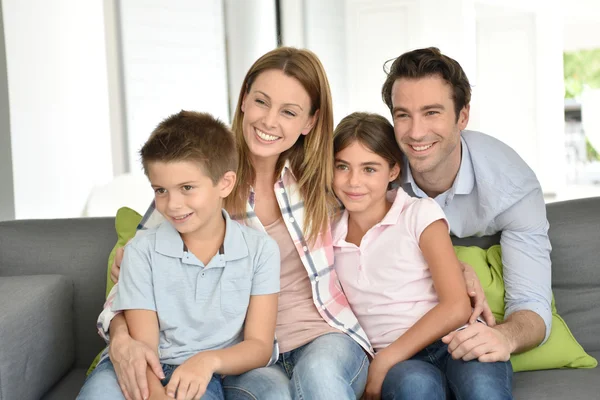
(143, 326)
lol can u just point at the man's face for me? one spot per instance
(425, 124)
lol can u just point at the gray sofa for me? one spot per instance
(53, 276)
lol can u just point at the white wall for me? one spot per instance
(173, 56)
(581, 24)
(58, 95)
(251, 30)
(511, 50)
(325, 34)
(7, 196)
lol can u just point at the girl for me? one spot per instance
(283, 126)
(398, 269)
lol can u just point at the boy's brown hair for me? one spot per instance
(427, 62)
(196, 137)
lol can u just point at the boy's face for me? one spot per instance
(186, 197)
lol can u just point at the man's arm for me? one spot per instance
(528, 293)
(527, 273)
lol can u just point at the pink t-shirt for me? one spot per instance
(298, 320)
(386, 279)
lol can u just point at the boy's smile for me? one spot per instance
(186, 197)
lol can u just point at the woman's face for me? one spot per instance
(276, 112)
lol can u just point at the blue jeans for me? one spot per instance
(332, 366)
(434, 374)
(102, 384)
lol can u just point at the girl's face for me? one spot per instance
(276, 112)
(361, 179)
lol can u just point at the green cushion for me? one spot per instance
(561, 350)
(126, 223)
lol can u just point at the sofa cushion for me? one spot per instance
(76, 248)
(576, 266)
(126, 223)
(560, 350)
(68, 387)
(36, 327)
(557, 384)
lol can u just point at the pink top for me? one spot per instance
(386, 280)
(298, 320)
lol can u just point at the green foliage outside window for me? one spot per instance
(582, 68)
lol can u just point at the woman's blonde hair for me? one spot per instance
(311, 157)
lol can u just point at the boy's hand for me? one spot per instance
(190, 379)
(377, 371)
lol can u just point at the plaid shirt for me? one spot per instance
(317, 259)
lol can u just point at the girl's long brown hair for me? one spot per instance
(311, 157)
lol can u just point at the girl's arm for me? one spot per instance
(453, 309)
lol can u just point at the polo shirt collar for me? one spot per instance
(398, 197)
(463, 184)
(170, 243)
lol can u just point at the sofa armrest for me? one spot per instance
(36, 334)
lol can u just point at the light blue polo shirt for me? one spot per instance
(199, 307)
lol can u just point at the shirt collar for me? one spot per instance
(170, 243)
(463, 184)
(398, 197)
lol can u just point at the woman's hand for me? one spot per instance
(131, 358)
(115, 268)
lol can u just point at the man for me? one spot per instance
(484, 188)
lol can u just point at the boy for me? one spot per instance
(199, 288)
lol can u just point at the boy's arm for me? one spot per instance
(143, 326)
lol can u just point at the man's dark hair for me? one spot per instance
(427, 62)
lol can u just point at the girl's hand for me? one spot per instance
(190, 380)
(377, 371)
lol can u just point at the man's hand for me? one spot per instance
(190, 380)
(130, 359)
(478, 341)
(377, 371)
(477, 295)
(115, 268)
